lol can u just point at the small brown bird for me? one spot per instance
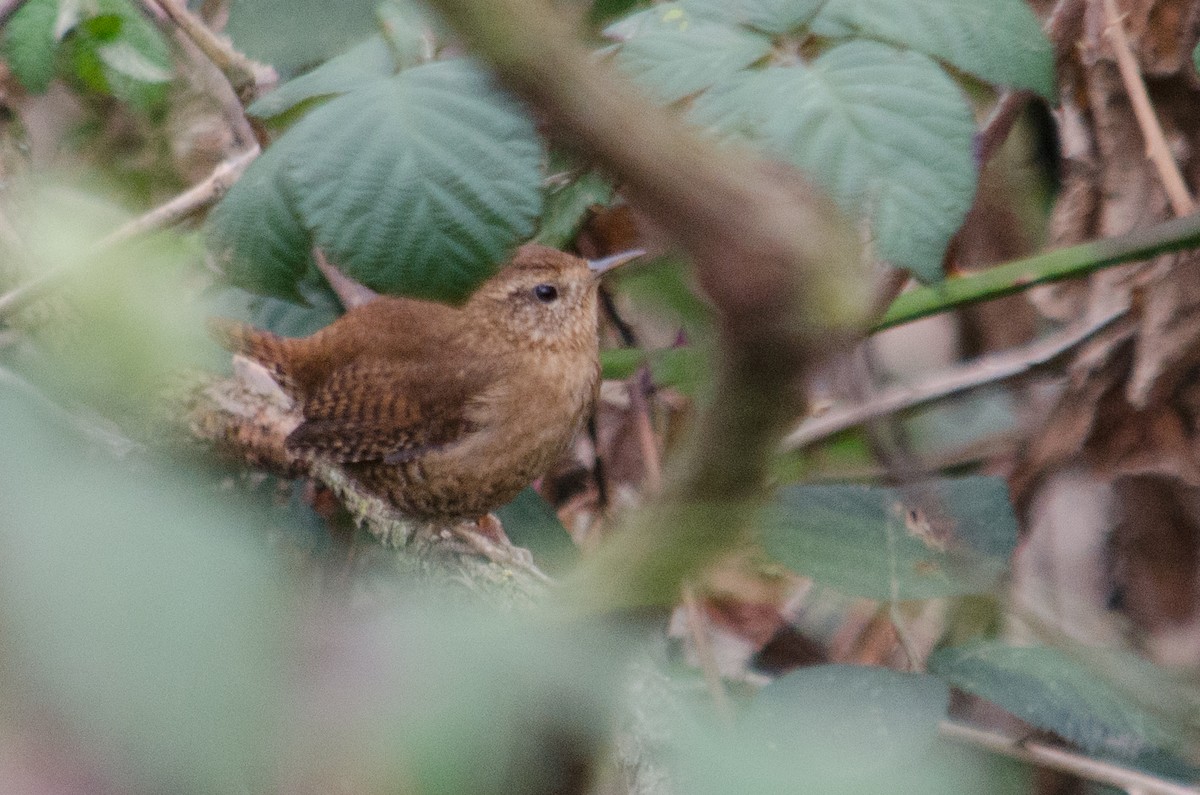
(448, 412)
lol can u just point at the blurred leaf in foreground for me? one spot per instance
(438, 698)
(125, 320)
(840, 729)
(946, 538)
(133, 610)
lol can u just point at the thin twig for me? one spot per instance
(639, 389)
(248, 77)
(980, 372)
(998, 126)
(1156, 142)
(208, 75)
(1044, 754)
(197, 197)
(349, 292)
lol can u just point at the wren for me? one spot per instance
(447, 412)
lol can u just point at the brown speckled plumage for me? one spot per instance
(447, 412)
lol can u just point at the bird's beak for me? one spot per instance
(600, 267)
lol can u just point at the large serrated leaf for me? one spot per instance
(999, 41)
(29, 45)
(885, 131)
(419, 184)
(258, 239)
(675, 53)
(1100, 699)
(368, 61)
(945, 538)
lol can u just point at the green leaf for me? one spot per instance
(418, 184)
(368, 61)
(320, 307)
(999, 41)
(838, 729)
(137, 613)
(930, 540)
(676, 53)
(1102, 700)
(567, 207)
(123, 58)
(29, 45)
(117, 51)
(258, 238)
(885, 131)
(530, 522)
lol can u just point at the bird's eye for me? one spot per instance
(545, 293)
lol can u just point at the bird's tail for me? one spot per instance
(268, 349)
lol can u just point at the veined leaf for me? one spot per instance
(946, 538)
(770, 16)
(885, 131)
(675, 53)
(1100, 699)
(999, 41)
(418, 184)
(29, 44)
(257, 236)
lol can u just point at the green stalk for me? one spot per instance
(1063, 263)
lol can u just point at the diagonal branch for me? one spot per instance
(1156, 143)
(248, 77)
(1047, 755)
(988, 369)
(195, 198)
(778, 262)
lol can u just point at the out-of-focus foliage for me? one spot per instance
(136, 608)
(128, 324)
(451, 698)
(863, 730)
(107, 45)
(927, 540)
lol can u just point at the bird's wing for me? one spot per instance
(386, 410)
